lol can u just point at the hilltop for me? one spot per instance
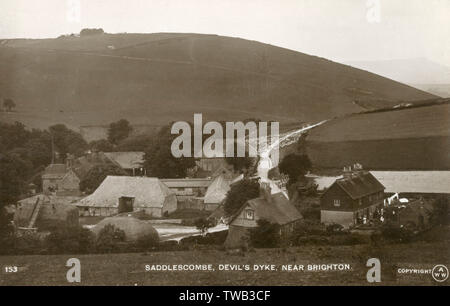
(158, 78)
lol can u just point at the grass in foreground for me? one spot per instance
(129, 269)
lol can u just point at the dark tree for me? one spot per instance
(9, 104)
(67, 141)
(440, 212)
(96, 176)
(159, 160)
(240, 193)
(295, 166)
(240, 163)
(203, 225)
(265, 235)
(135, 143)
(101, 145)
(11, 179)
(119, 131)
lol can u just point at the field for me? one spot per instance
(407, 139)
(129, 269)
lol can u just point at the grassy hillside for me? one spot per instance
(406, 139)
(157, 78)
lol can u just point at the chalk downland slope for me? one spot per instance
(158, 78)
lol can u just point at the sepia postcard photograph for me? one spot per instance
(224, 148)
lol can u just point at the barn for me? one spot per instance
(119, 194)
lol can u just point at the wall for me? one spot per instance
(191, 204)
(237, 237)
(336, 193)
(345, 218)
(240, 220)
(170, 204)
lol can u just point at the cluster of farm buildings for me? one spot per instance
(355, 198)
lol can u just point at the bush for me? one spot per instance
(265, 235)
(147, 242)
(311, 213)
(29, 243)
(203, 224)
(394, 233)
(69, 239)
(347, 239)
(309, 227)
(311, 239)
(110, 239)
(334, 228)
(217, 238)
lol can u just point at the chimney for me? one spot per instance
(69, 161)
(347, 172)
(357, 169)
(265, 191)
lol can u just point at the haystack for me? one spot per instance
(133, 228)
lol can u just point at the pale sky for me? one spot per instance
(340, 30)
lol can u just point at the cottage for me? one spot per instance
(275, 208)
(60, 178)
(119, 194)
(352, 199)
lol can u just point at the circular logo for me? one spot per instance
(440, 273)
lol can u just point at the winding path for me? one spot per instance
(265, 162)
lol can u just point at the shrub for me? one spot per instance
(347, 239)
(265, 235)
(69, 239)
(217, 238)
(29, 243)
(334, 228)
(311, 239)
(392, 232)
(311, 213)
(309, 227)
(147, 242)
(109, 239)
(203, 224)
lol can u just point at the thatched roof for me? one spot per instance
(147, 191)
(133, 228)
(187, 182)
(217, 191)
(277, 209)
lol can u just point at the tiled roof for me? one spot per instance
(360, 185)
